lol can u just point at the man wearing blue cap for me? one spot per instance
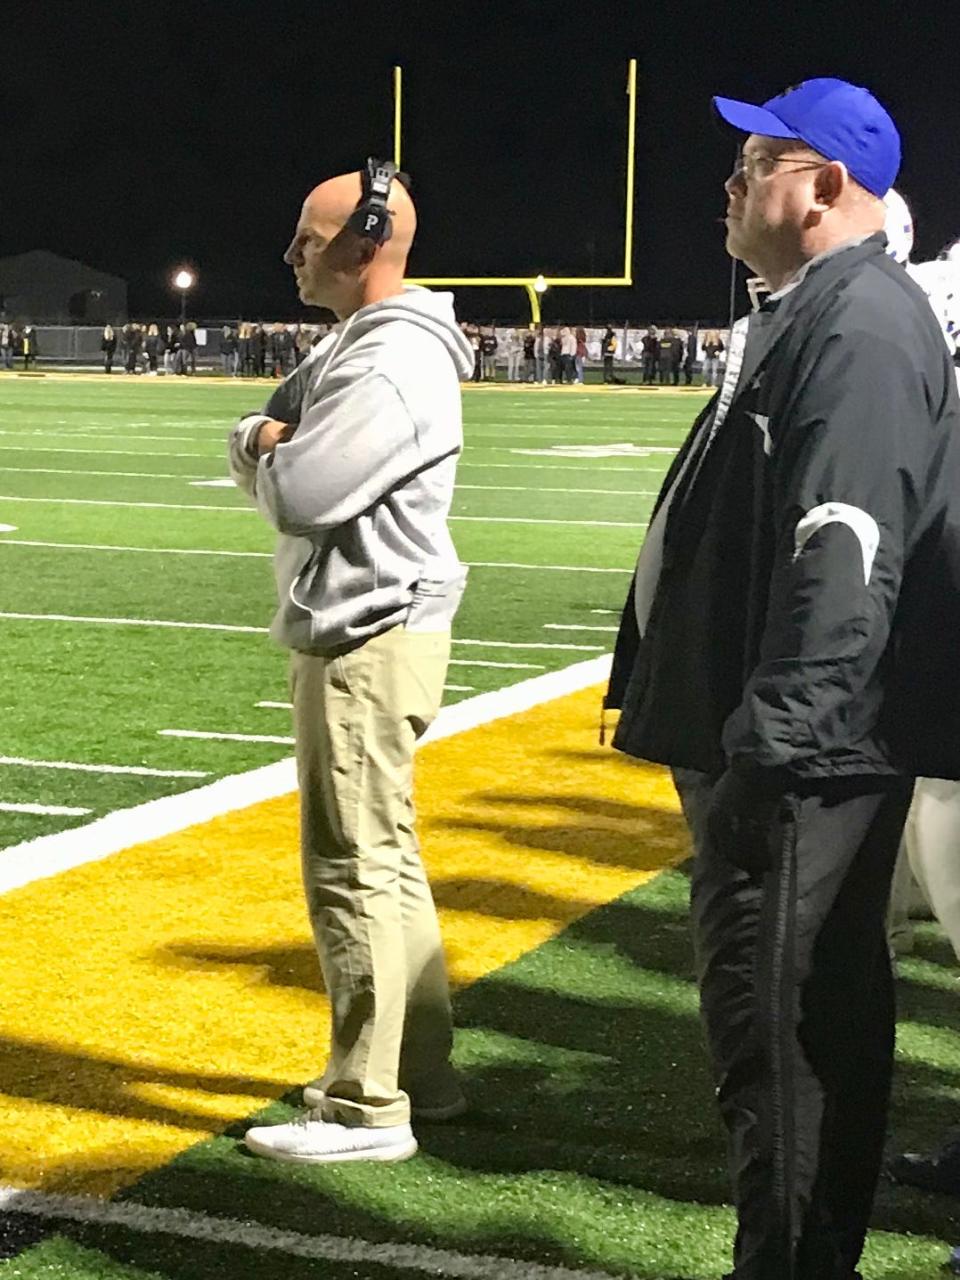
(788, 647)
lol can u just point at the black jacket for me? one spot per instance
(778, 637)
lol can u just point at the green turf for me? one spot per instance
(99, 693)
(593, 1142)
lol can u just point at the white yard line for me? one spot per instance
(227, 626)
(159, 551)
(226, 737)
(641, 461)
(123, 475)
(593, 524)
(268, 555)
(125, 453)
(575, 626)
(526, 644)
(582, 427)
(223, 482)
(97, 435)
(204, 1228)
(142, 506)
(49, 855)
(505, 666)
(571, 465)
(47, 810)
(132, 622)
(141, 771)
(615, 612)
(562, 568)
(244, 510)
(517, 488)
(288, 706)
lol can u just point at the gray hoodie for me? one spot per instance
(361, 492)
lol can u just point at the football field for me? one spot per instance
(137, 581)
(157, 999)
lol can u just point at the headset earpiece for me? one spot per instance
(371, 218)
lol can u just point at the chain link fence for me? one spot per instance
(79, 346)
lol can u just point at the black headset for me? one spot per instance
(371, 218)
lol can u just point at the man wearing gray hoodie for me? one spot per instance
(353, 463)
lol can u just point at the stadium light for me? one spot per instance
(184, 279)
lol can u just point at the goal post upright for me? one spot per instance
(397, 115)
(631, 159)
(525, 281)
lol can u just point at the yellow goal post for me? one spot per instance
(535, 285)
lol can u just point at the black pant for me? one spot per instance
(797, 1000)
(608, 368)
(649, 369)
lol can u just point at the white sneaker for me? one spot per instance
(312, 1141)
(313, 1097)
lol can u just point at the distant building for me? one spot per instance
(43, 287)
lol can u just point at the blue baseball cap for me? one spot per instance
(840, 120)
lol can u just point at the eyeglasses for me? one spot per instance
(746, 166)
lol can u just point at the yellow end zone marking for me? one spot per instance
(155, 997)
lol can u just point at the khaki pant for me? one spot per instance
(357, 719)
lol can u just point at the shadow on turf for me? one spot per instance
(583, 1059)
(592, 1082)
(585, 1065)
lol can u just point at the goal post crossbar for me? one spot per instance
(529, 282)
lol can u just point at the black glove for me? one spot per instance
(742, 818)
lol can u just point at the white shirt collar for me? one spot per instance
(801, 275)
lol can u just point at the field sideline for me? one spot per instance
(158, 998)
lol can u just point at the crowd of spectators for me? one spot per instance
(253, 350)
(545, 355)
(548, 355)
(17, 341)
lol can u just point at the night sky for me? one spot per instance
(138, 136)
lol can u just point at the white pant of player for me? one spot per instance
(931, 847)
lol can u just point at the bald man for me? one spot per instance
(353, 463)
(787, 647)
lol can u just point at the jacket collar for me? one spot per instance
(820, 277)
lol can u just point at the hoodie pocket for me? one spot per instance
(435, 601)
(296, 620)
